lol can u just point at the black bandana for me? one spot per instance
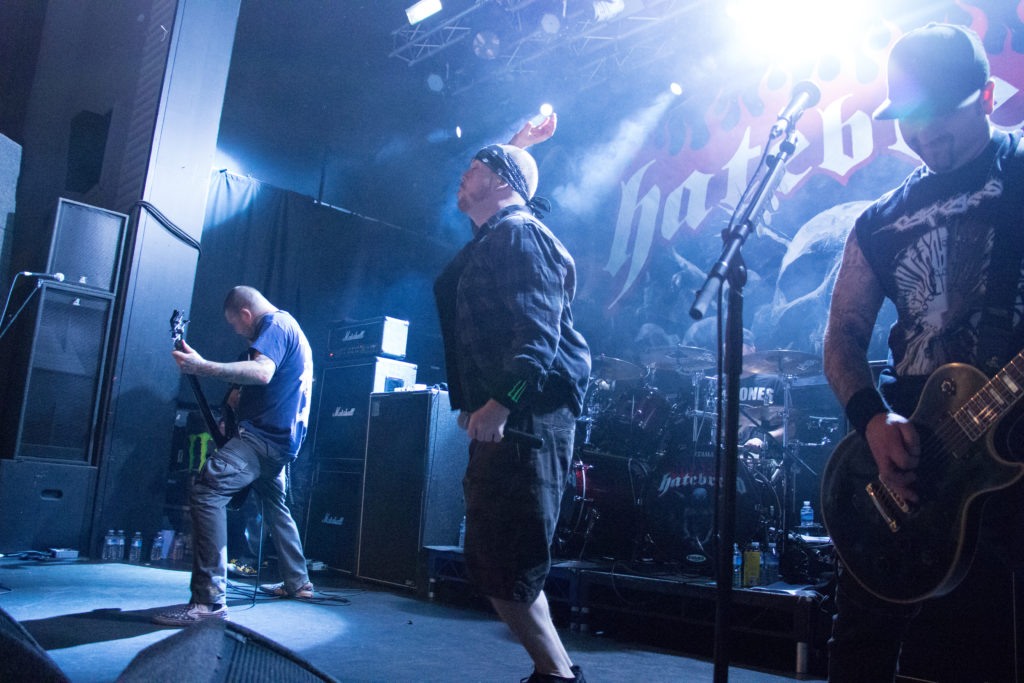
(506, 168)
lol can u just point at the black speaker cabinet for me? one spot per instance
(87, 245)
(58, 347)
(332, 515)
(22, 657)
(45, 505)
(340, 430)
(416, 456)
(217, 650)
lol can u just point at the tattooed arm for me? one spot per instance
(259, 370)
(856, 300)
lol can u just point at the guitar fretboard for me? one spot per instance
(993, 400)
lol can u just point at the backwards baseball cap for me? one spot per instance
(934, 70)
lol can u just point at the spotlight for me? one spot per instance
(550, 23)
(435, 82)
(605, 10)
(422, 9)
(458, 131)
(676, 88)
(486, 44)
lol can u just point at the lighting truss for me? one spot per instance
(594, 50)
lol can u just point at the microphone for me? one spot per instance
(523, 438)
(805, 95)
(59, 277)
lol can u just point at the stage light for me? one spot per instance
(675, 88)
(486, 45)
(458, 131)
(550, 23)
(435, 82)
(422, 9)
(794, 31)
(546, 109)
(608, 9)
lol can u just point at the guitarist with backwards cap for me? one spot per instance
(272, 412)
(944, 247)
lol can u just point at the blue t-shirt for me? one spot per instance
(278, 412)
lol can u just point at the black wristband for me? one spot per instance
(863, 406)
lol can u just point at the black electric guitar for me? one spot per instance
(230, 429)
(906, 553)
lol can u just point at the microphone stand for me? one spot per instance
(730, 267)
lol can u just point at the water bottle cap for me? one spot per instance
(807, 502)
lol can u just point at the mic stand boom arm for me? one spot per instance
(730, 265)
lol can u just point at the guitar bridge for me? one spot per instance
(881, 506)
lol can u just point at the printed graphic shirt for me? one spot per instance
(929, 243)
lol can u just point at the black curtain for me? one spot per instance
(321, 264)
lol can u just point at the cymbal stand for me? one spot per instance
(699, 412)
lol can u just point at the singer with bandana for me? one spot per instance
(514, 362)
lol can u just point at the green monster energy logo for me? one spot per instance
(517, 391)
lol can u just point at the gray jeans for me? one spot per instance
(244, 460)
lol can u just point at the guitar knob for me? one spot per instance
(948, 387)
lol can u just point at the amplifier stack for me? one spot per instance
(363, 358)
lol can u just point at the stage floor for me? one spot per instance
(93, 619)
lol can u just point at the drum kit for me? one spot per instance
(642, 482)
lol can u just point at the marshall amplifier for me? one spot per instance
(340, 430)
(374, 337)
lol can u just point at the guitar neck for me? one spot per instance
(990, 403)
(204, 407)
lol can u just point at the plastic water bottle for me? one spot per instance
(156, 551)
(177, 553)
(737, 566)
(462, 532)
(771, 564)
(135, 551)
(109, 544)
(119, 547)
(752, 565)
(806, 515)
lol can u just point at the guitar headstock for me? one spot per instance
(178, 322)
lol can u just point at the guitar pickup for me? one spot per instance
(880, 505)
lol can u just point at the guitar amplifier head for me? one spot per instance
(382, 336)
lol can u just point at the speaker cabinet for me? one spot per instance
(217, 650)
(58, 351)
(332, 515)
(87, 245)
(22, 658)
(44, 505)
(344, 391)
(416, 456)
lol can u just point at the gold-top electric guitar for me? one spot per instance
(906, 553)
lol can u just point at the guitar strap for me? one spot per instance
(997, 341)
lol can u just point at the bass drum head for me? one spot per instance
(680, 507)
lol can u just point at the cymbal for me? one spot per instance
(682, 358)
(763, 416)
(606, 367)
(782, 362)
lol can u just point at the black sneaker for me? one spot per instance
(577, 677)
(305, 592)
(193, 613)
